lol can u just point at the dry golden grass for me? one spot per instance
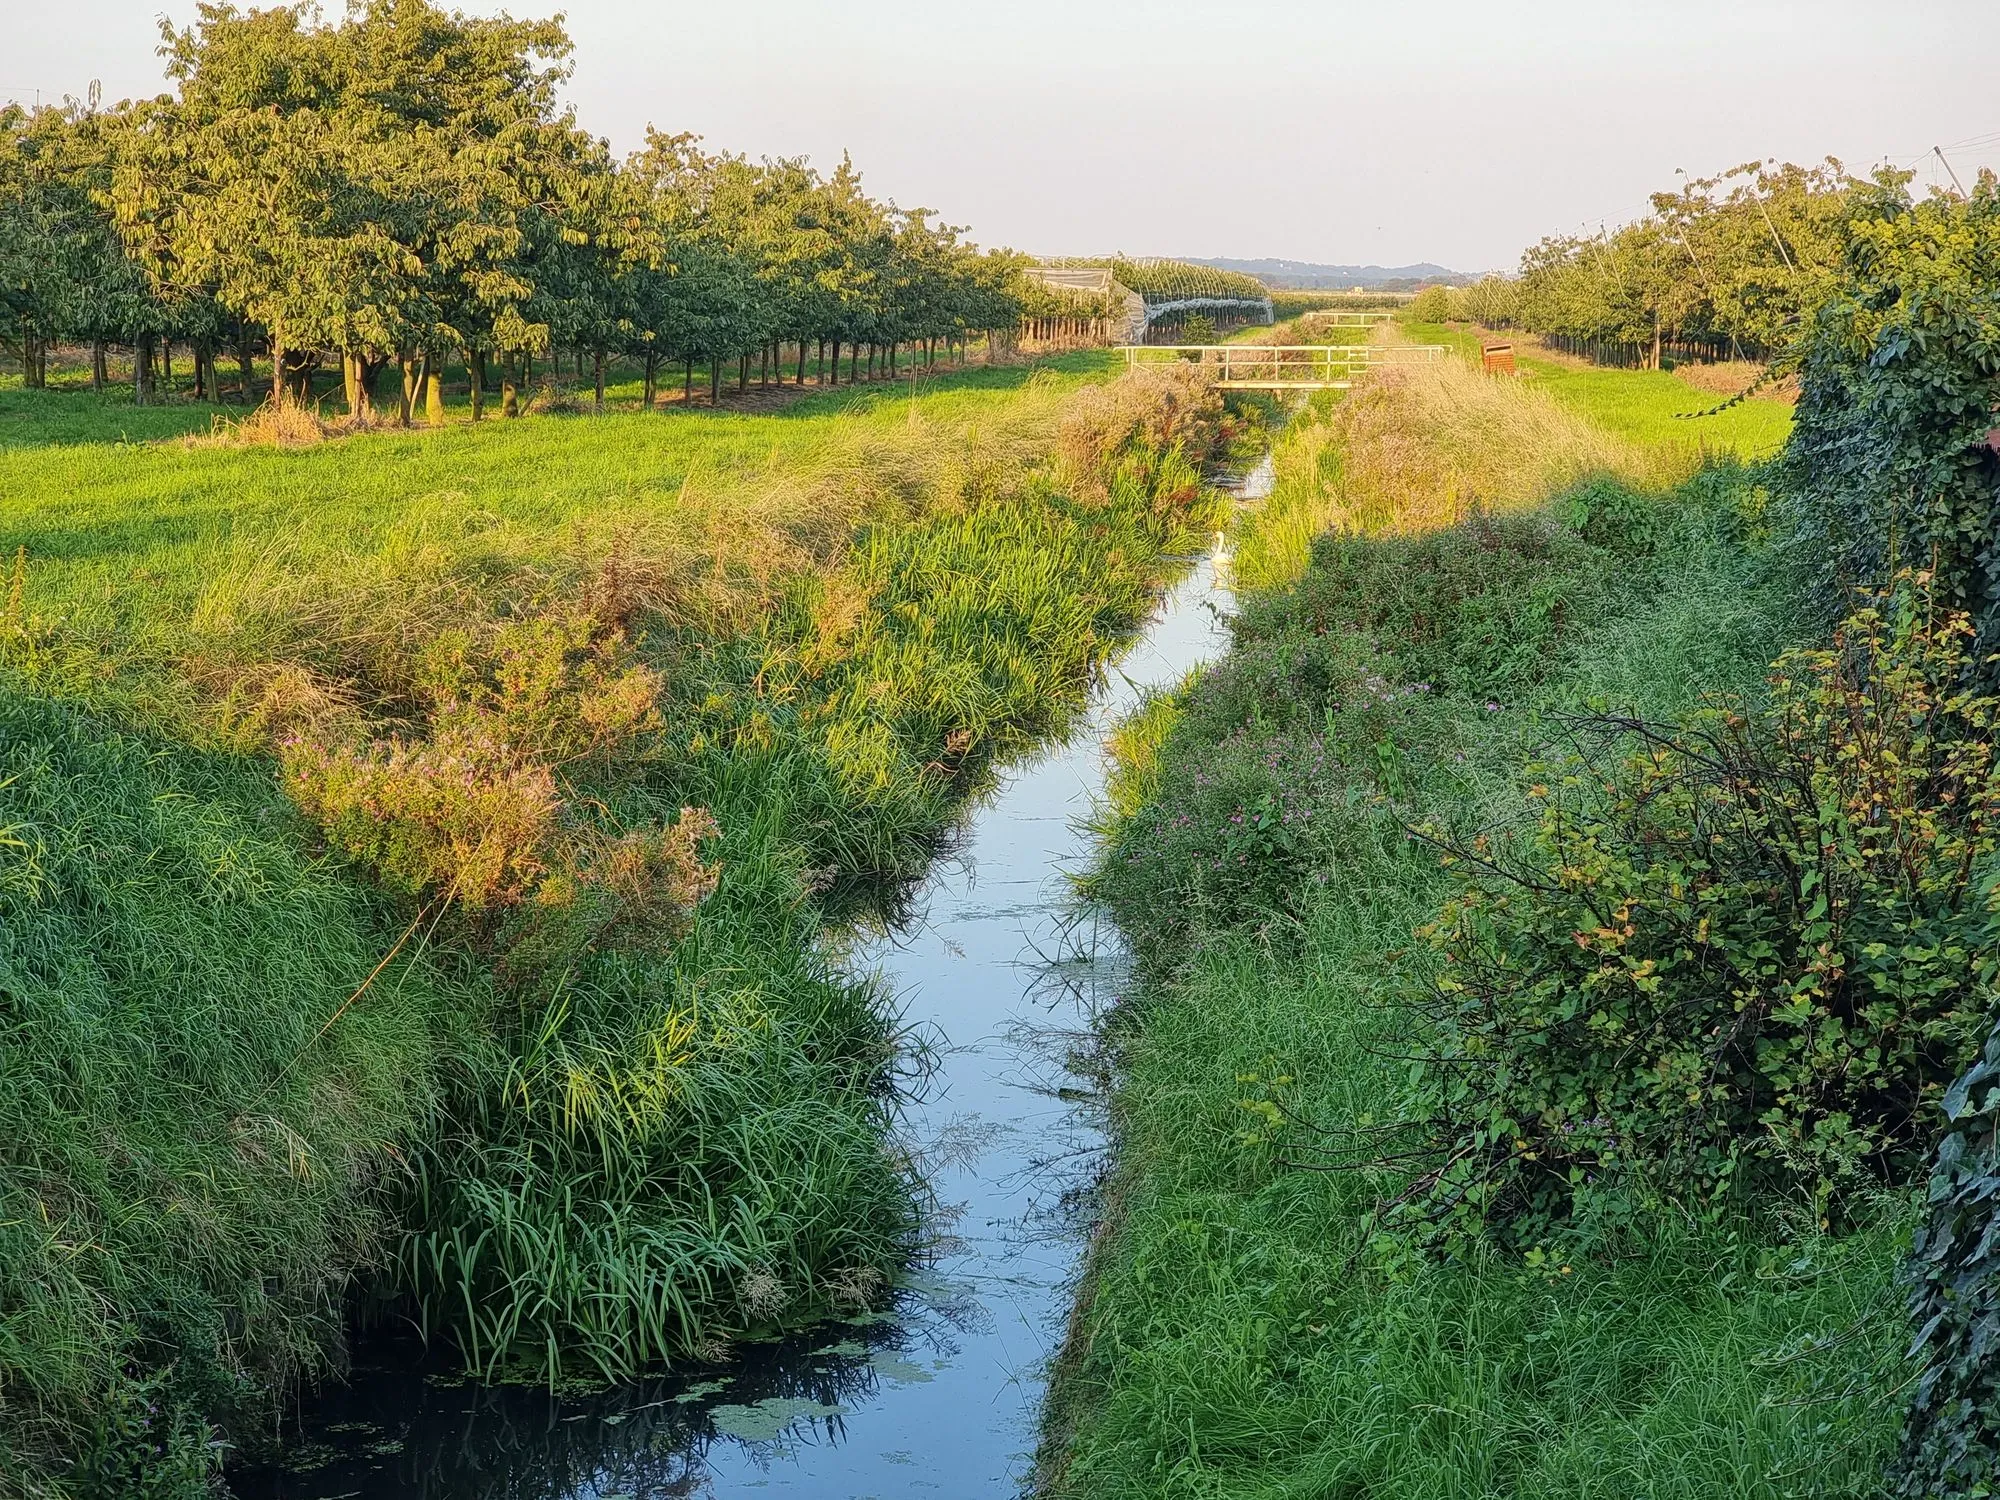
(1153, 407)
(1427, 445)
(292, 425)
(1422, 447)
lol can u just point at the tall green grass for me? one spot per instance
(192, 1170)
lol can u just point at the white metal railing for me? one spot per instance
(1282, 366)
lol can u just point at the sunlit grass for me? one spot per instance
(582, 1164)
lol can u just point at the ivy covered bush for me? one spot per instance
(1951, 1441)
(1742, 950)
(1891, 463)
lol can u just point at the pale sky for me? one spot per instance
(1455, 131)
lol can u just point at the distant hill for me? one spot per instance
(1308, 275)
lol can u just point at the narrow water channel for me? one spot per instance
(939, 1396)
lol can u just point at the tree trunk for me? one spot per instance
(350, 383)
(764, 367)
(97, 371)
(743, 371)
(243, 364)
(853, 362)
(836, 363)
(801, 380)
(475, 366)
(687, 382)
(510, 387)
(407, 365)
(820, 378)
(652, 379)
(434, 389)
(714, 381)
(597, 370)
(279, 395)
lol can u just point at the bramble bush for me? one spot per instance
(1745, 949)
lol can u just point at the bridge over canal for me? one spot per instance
(1283, 367)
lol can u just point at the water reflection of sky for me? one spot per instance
(940, 1396)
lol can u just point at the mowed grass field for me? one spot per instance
(149, 550)
(1652, 407)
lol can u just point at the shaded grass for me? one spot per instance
(188, 1171)
(1246, 1334)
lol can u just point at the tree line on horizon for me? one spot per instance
(405, 188)
(1732, 266)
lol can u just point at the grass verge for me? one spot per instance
(1248, 1329)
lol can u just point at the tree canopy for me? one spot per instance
(406, 184)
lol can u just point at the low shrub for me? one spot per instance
(1481, 608)
(462, 816)
(1739, 950)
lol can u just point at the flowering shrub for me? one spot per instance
(559, 686)
(1745, 948)
(461, 815)
(474, 811)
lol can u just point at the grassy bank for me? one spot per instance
(1261, 1319)
(415, 851)
(1659, 408)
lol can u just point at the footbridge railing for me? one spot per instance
(1283, 367)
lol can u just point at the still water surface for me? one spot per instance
(937, 1397)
